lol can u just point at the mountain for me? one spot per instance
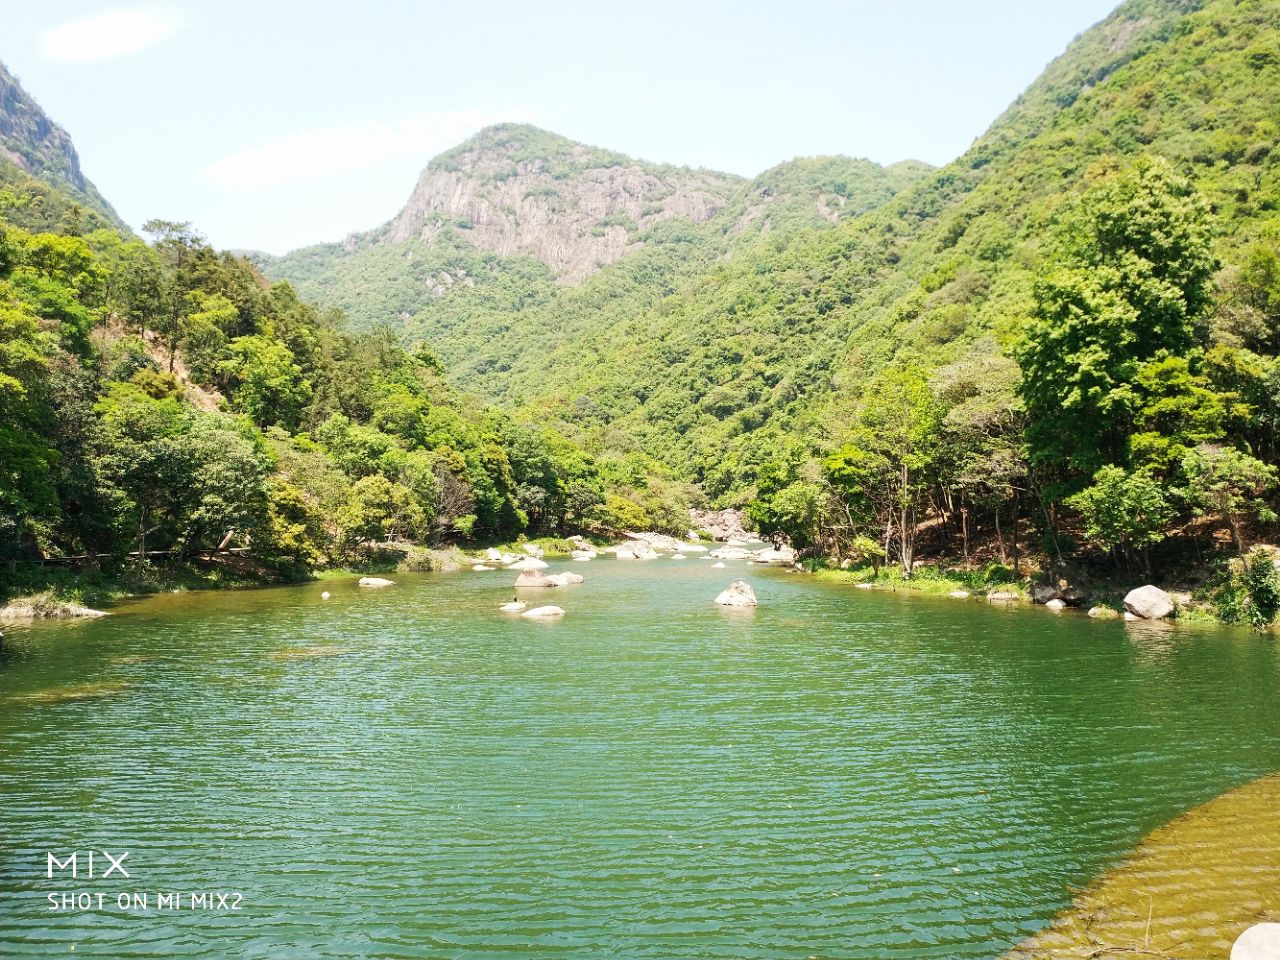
(515, 210)
(711, 345)
(39, 165)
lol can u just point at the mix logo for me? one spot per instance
(73, 862)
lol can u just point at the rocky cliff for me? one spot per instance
(37, 146)
(514, 189)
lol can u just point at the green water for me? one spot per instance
(840, 773)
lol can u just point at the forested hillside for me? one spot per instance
(160, 400)
(40, 169)
(754, 360)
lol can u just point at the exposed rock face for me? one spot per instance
(737, 594)
(1149, 603)
(34, 143)
(723, 525)
(635, 550)
(514, 189)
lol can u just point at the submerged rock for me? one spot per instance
(678, 556)
(375, 582)
(1003, 596)
(718, 565)
(543, 613)
(1103, 613)
(737, 594)
(1149, 603)
(515, 606)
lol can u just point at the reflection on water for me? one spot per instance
(409, 772)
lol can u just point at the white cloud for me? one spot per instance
(331, 151)
(114, 33)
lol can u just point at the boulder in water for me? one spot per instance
(1003, 596)
(1055, 604)
(718, 565)
(482, 566)
(678, 556)
(564, 579)
(376, 582)
(1149, 603)
(532, 578)
(783, 555)
(543, 613)
(959, 594)
(737, 594)
(515, 606)
(493, 553)
(1044, 592)
(528, 563)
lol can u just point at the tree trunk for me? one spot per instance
(1236, 534)
(1004, 556)
(964, 529)
(1016, 556)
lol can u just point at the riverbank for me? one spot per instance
(1188, 890)
(1200, 596)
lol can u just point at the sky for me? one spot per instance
(272, 125)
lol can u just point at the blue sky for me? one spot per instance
(274, 124)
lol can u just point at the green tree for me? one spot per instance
(1126, 285)
(265, 382)
(1230, 484)
(1124, 512)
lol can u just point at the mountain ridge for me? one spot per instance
(33, 145)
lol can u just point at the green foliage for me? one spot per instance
(1125, 512)
(1252, 592)
(1229, 484)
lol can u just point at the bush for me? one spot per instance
(1252, 594)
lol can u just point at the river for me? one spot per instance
(407, 772)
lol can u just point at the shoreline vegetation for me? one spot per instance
(1189, 889)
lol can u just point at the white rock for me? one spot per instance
(718, 565)
(564, 579)
(375, 582)
(1131, 616)
(533, 550)
(678, 556)
(737, 594)
(959, 594)
(515, 606)
(1002, 596)
(865, 586)
(1259, 942)
(325, 595)
(528, 563)
(1056, 604)
(730, 553)
(493, 553)
(481, 566)
(693, 548)
(1149, 603)
(543, 613)
(781, 555)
